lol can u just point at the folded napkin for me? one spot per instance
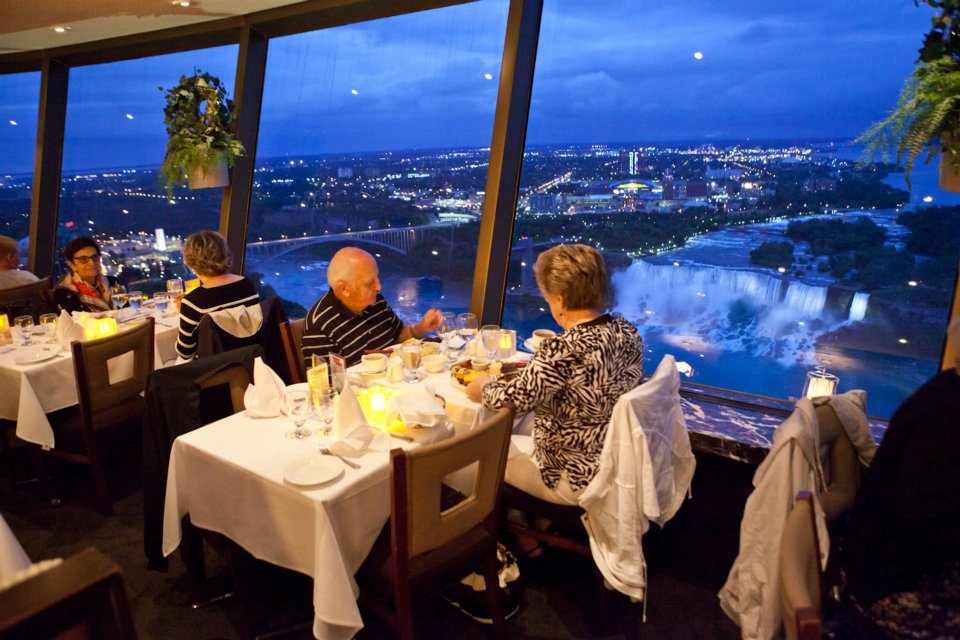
(416, 407)
(348, 415)
(265, 397)
(456, 342)
(81, 316)
(67, 330)
(359, 440)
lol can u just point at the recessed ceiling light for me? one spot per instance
(61, 29)
(181, 3)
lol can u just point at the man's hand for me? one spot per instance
(430, 321)
(475, 388)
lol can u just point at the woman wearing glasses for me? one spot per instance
(85, 288)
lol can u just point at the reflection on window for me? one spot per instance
(114, 144)
(19, 103)
(375, 135)
(722, 188)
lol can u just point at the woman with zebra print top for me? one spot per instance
(573, 380)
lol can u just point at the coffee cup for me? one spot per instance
(539, 335)
(435, 362)
(373, 362)
(480, 364)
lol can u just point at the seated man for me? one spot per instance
(10, 274)
(352, 316)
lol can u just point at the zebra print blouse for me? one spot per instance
(571, 385)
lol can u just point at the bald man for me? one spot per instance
(352, 316)
(10, 274)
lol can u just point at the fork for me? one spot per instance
(325, 450)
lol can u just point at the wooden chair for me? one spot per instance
(800, 573)
(291, 332)
(427, 547)
(82, 598)
(26, 299)
(104, 409)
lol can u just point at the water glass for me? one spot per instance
(48, 325)
(298, 406)
(467, 325)
(411, 355)
(118, 295)
(490, 334)
(323, 401)
(160, 301)
(135, 298)
(447, 329)
(25, 325)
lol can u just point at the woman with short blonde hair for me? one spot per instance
(576, 272)
(206, 253)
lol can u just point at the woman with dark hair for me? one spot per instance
(85, 288)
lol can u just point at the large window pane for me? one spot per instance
(114, 144)
(19, 103)
(376, 135)
(693, 143)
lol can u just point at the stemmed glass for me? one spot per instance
(48, 326)
(135, 298)
(447, 329)
(175, 289)
(490, 334)
(118, 294)
(25, 324)
(160, 301)
(298, 405)
(411, 355)
(323, 403)
(467, 326)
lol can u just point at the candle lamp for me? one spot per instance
(6, 337)
(508, 343)
(374, 402)
(820, 383)
(95, 328)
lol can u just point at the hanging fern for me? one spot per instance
(200, 124)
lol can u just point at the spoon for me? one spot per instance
(325, 450)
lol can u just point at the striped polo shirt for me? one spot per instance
(204, 300)
(332, 328)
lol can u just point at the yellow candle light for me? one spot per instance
(508, 343)
(374, 402)
(99, 328)
(820, 383)
(5, 336)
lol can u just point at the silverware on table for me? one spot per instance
(325, 450)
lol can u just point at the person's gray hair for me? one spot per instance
(576, 272)
(207, 254)
(8, 246)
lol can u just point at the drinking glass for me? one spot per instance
(467, 325)
(48, 325)
(411, 355)
(298, 405)
(490, 334)
(135, 298)
(447, 329)
(323, 403)
(160, 301)
(118, 294)
(25, 325)
(175, 289)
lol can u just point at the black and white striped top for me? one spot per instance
(571, 386)
(202, 301)
(332, 328)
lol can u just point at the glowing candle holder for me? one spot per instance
(508, 343)
(820, 383)
(374, 402)
(6, 337)
(190, 285)
(95, 328)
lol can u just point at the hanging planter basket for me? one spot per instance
(949, 173)
(206, 177)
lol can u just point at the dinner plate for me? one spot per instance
(313, 470)
(32, 355)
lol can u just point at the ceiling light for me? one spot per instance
(61, 29)
(181, 3)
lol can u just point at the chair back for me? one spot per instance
(291, 332)
(419, 524)
(91, 364)
(236, 378)
(26, 299)
(800, 572)
(211, 339)
(83, 597)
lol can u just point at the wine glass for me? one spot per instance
(25, 325)
(48, 325)
(175, 289)
(467, 325)
(118, 294)
(447, 329)
(411, 355)
(160, 301)
(323, 403)
(490, 334)
(298, 405)
(135, 298)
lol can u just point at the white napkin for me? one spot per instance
(359, 440)
(67, 330)
(348, 415)
(264, 398)
(456, 342)
(81, 316)
(416, 407)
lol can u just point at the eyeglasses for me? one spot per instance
(85, 259)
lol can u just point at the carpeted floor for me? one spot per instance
(687, 565)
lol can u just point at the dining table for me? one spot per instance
(46, 383)
(237, 477)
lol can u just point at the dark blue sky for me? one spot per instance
(607, 71)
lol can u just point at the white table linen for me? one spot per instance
(13, 558)
(33, 390)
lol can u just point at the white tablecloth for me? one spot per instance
(31, 391)
(13, 559)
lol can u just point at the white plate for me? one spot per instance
(531, 344)
(32, 355)
(312, 470)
